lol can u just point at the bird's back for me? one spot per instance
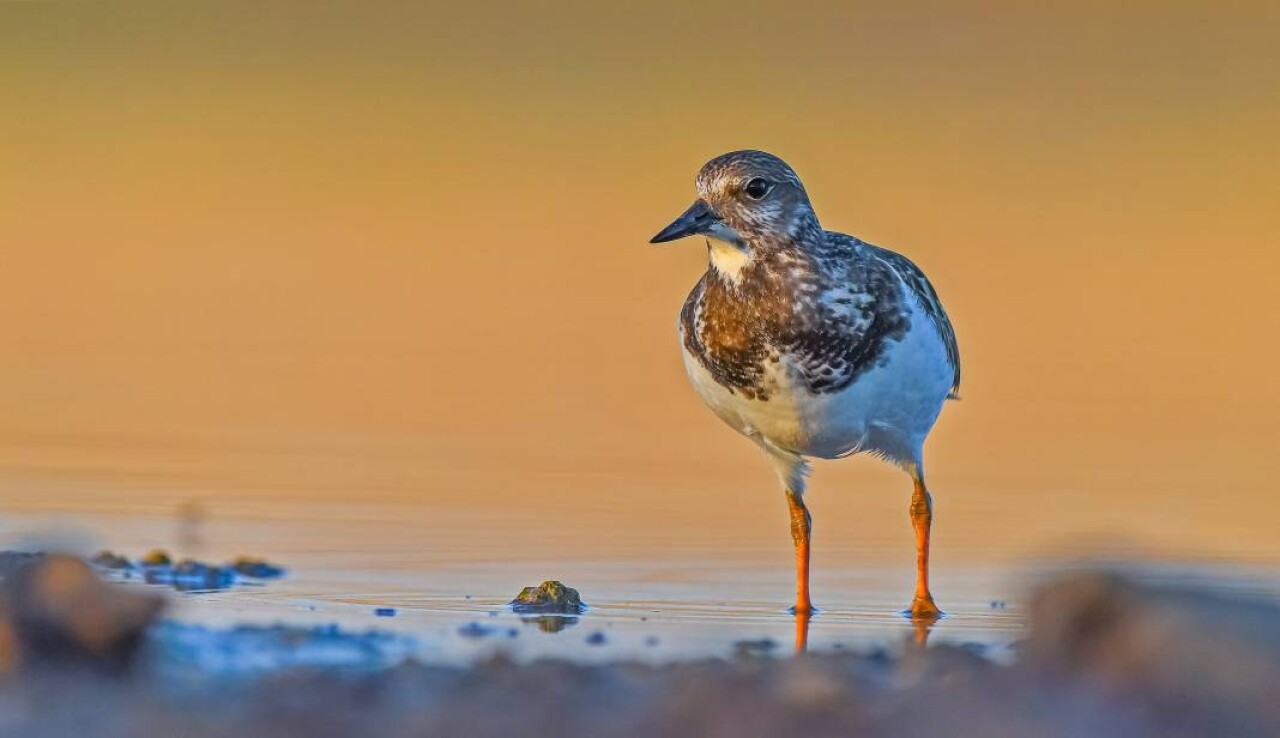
(920, 286)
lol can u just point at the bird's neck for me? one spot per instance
(733, 248)
(733, 261)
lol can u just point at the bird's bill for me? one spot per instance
(699, 218)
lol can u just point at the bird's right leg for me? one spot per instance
(922, 606)
(792, 471)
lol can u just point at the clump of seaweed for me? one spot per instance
(552, 597)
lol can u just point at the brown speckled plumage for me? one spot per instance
(829, 309)
(825, 301)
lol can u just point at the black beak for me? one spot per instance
(694, 220)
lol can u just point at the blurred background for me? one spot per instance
(349, 261)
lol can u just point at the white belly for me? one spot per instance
(888, 410)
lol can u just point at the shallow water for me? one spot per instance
(675, 605)
(448, 575)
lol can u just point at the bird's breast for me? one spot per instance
(773, 410)
(888, 409)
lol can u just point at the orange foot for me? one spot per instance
(923, 608)
(802, 608)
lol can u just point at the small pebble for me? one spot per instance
(475, 630)
(256, 568)
(157, 557)
(754, 648)
(596, 639)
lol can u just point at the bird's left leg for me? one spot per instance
(922, 606)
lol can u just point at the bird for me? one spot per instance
(812, 343)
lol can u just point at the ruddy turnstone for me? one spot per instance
(812, 343)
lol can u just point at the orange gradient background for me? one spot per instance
(299, 252)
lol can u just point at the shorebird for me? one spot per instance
(812, 343)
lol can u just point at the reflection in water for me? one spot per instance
(191, 517)
(802, 631)
(922, 627)
(550, 623)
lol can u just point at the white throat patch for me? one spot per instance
(728, 252)
(728, 258)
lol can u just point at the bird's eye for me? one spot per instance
(757, 188)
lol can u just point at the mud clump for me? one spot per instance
(111, 560)
(476, 630)
(754, 648)
(253, 568)
(187, 575)
(190, 575)
(1214, 657)
(56, 612)
(158, 557)
(549, 598)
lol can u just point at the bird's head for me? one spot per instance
(745, 198)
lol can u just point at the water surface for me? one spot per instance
(448, 574)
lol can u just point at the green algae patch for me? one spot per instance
(550, 597)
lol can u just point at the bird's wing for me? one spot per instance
(919, 284)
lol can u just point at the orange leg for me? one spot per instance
(922, 606)
(801, 525)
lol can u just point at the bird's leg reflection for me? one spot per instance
(922, 626)
(802, 631)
